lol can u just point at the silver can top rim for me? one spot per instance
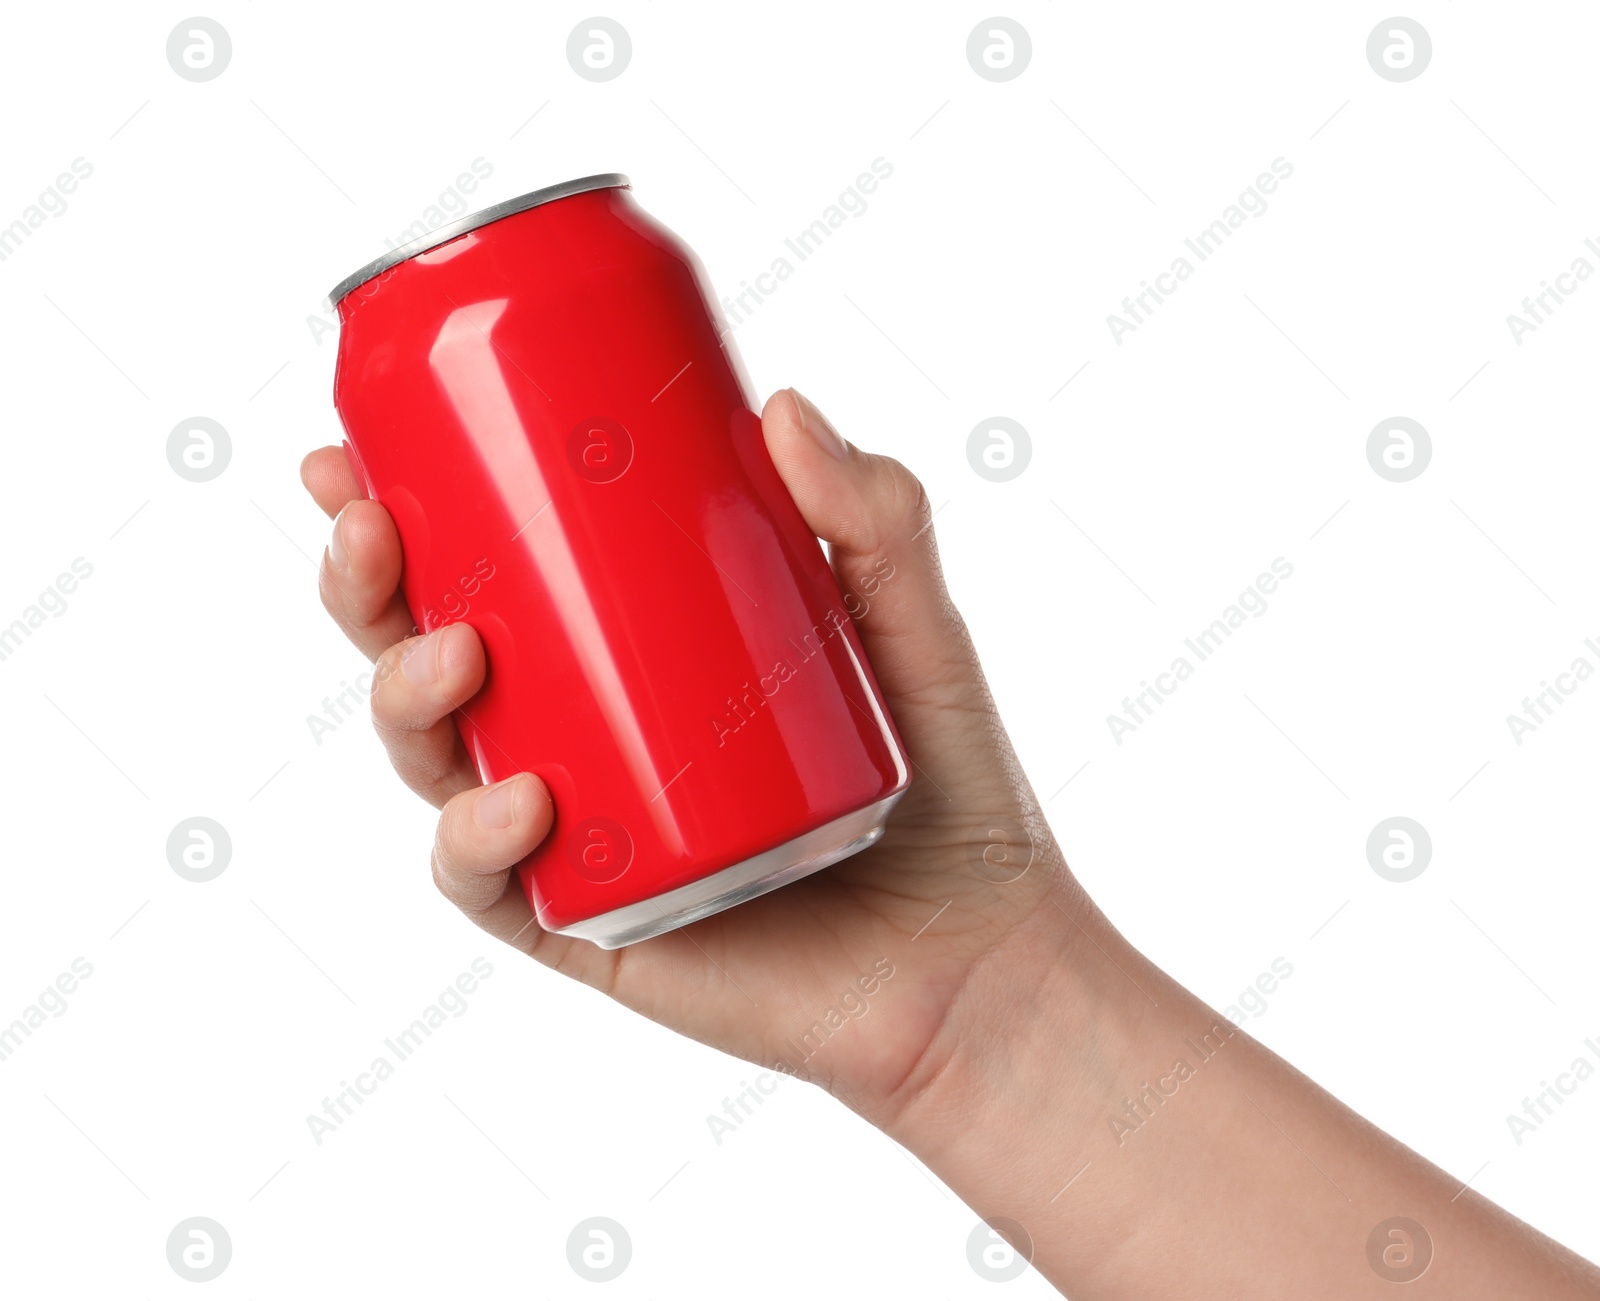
(461, 225)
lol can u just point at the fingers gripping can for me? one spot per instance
(541, 397)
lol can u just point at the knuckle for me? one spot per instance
(444, 855)
(915, 507)
(903, 509)
(328, 590)
(440, 879)
(423, 771)
(386, 690)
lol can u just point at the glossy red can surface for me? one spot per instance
(572, 458)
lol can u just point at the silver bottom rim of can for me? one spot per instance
(756, 876)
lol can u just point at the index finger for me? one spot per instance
(362, 592)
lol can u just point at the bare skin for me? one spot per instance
(1021, 1047)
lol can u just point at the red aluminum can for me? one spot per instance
(543, 397)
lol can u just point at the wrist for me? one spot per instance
(1009, 1105)
(1035, 1039)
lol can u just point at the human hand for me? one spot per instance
(1013, 1033)
(897, 930)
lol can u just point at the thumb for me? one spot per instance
(874, 515)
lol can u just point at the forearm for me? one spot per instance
(1149, 1147)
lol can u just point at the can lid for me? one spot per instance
(461, 225)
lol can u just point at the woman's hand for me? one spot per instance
(952, 983)
(965, 863)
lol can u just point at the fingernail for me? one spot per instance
(420, 662)
(497, 808)
(337, 554)
(818, 426)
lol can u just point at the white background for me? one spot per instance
(185, 278)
